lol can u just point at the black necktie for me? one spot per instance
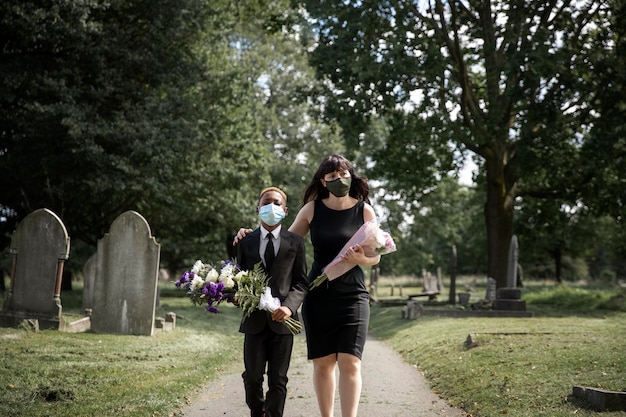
(269, 252)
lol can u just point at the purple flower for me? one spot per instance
(212, 289)
(212, 309)
(184, 278)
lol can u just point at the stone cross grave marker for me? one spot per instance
(40, 246)
(125, 288)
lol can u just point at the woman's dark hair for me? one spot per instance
(315, 190)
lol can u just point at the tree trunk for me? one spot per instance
(498, 219)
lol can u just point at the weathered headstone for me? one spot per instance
(511, 273)
(89, 281)
(430, 285)
(452, 266)
(601, 399)
(40, 246)
(440, 286)
(490, 294)
(510, 297)
(127, 267)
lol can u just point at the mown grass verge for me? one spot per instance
(51, 373)
(520, 366)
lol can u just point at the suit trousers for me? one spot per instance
(274, 350)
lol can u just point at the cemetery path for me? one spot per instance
(391, 388)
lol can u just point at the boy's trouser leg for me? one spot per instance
(254, 358)
(279, 355)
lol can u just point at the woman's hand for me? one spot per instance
(240, 235)
(356, 255)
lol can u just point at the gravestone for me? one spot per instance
(430, 285)
(440, 286)
(452, 270)
(40, 246)
(490, 293)
(511, 273)
(510, 297)
(127, 267)
(89, 282)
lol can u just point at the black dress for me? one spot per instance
(336, 314)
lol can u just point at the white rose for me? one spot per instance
(197, 267)
(212, 276)
(229, 283)
(227, 272)
(196, 283)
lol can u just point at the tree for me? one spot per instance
(508, 81)
(142, 105)
(182, 111)
(90, 112)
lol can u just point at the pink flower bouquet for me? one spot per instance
(372, 239)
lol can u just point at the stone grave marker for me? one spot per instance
(511, 273)
(40, 246)
(89, 282)
(127, 267)
(510, 297)
(490, 293)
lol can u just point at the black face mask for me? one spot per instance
(339, 187)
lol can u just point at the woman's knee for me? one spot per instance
(325, 364)
(349, 363)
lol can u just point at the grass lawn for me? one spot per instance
(521, 366)
(51, 373)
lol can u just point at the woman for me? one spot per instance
(336, 314)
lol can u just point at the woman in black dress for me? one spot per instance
(336, 314)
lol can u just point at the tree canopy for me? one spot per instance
(512, 82)
(184, 110)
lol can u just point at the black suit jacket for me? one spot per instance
(288, 277)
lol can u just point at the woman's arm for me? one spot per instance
(302, 224)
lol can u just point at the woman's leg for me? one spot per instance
(349, 383)
(324, 383)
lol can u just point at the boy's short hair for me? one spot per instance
(278, 190)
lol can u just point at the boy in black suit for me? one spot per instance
(267, 340)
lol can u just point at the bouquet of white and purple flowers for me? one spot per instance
(372, 239)
(206, 285)
(249, 290)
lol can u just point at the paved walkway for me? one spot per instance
(391, 388)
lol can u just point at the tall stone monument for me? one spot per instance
(510, 297)
(511, 273)
(125, 287)
(40, 246)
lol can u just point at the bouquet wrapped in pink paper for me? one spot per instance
(372, 239)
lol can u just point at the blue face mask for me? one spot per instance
(271, 214)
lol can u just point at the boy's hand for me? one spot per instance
(281, 314)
